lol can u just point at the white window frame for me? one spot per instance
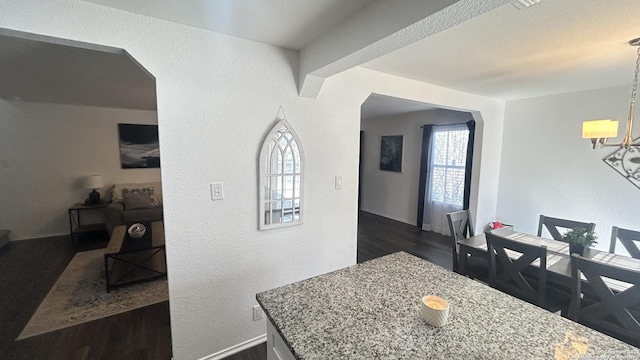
(265, 171)
(433, 165)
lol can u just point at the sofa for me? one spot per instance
(131, 203)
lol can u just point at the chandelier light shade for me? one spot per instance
(600, 130)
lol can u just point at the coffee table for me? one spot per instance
(129, 260)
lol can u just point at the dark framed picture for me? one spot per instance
(391, 153)
(139, 146)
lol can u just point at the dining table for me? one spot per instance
(558, 256)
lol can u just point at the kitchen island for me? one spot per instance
(371, 311)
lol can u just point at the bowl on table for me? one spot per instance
(136, 230)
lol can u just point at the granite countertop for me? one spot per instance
(371, 311)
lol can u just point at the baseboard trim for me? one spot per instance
(39, 236)
(389, 217)
(236, 348)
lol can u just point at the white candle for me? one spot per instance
(434, 310)
(435, 305)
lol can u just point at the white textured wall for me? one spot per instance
(392, 194)
(46, 150)
(217, 96)
(547, 168)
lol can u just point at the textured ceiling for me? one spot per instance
(48, 70)
(290, 24)
(553, 47)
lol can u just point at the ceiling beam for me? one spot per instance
(378, 29)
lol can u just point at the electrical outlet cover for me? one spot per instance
(257, 313)
(217, 191)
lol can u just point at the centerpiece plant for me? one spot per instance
(579, 239)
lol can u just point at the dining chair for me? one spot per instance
(612, 312)
(628, 239)
(552, 224)
(460, 228)
(519, 276)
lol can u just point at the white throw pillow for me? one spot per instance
(116, 191)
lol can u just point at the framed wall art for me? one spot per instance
(139, 146)
(391, 153)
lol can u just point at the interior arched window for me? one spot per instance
(281, 178)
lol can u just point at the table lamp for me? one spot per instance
(93, 182)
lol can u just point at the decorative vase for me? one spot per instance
(576, 249)
(94, 197)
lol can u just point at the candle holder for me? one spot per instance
(434, 310)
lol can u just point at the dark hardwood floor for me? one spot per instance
(258, 352)
(29, 268)
(379, 236)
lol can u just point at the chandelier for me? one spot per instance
(600, 130)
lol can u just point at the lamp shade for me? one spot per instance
(93, 182)
(598, 129)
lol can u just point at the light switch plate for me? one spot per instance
(217, 191)
(338, 182)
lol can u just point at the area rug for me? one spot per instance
(80, 296)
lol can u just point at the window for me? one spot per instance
(448, 164)
(281, 176)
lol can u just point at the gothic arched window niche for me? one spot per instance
(281, 178)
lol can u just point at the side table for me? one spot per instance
(75, 219)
